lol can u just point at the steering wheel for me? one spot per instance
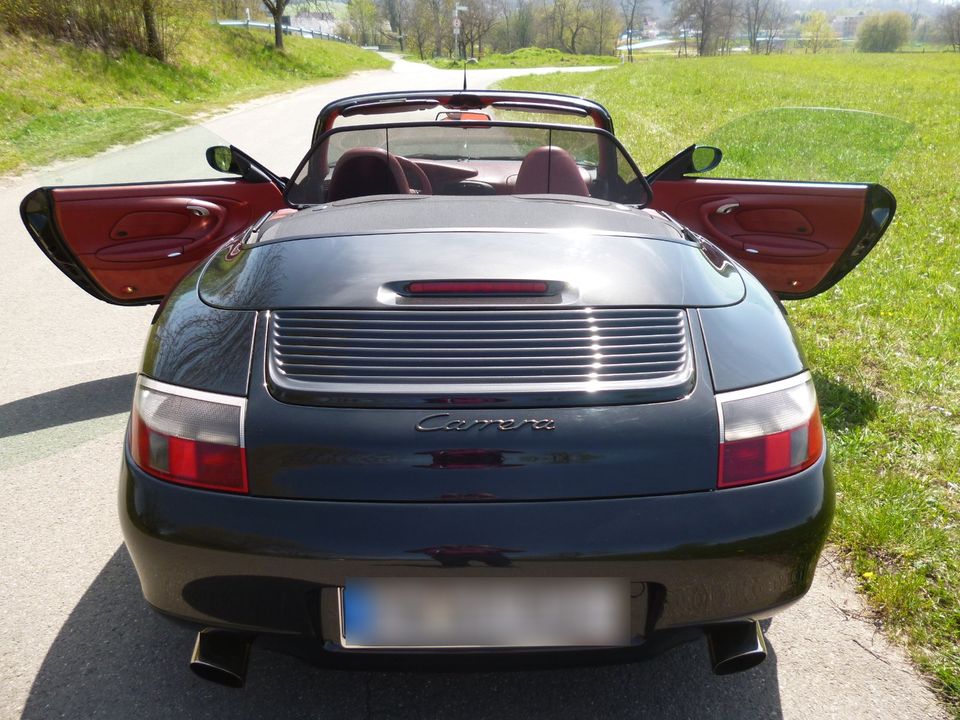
(416, 177)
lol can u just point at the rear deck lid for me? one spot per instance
(529, 439)
(358, 271)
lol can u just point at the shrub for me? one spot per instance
(883, 32)
(148, 26)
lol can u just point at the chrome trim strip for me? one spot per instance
(778, 183)
(775, 386)
(578, 379)
(152, 384)
(203, 395)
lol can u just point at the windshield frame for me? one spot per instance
(477, 125)
(459, 100)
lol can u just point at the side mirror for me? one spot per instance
(704, 158)
(235, 162)
(222, 159)
(694, 159)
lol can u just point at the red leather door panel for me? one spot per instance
(797, 238)
(130, 244)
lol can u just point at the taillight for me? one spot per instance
(768, 432)
(478, 287)
(189, 437)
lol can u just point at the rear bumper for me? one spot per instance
(276, 566)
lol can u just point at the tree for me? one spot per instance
(701, 16)
(950, 25)
(631, 9)
(578, 21)
(728, 14)
(476, 24)
(396, 12)
(883, 32)
(773, 24)
(364, 21)
(817, 32)
(604, 14)
(276, 9)
(524, 29)
(420, 26)
(152, 32)
(755, 14)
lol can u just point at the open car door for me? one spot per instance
(130, 244)
(798, 238)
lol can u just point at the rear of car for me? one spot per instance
(558, 454)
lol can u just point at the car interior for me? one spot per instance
(465, 158)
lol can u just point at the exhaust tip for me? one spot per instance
(736, 647)
(221, 656)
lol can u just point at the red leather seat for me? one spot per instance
(550, 169)
(366, 171)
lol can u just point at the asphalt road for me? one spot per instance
(76, 638)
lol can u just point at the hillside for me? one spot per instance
(59, 101)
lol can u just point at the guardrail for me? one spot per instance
(287, 29)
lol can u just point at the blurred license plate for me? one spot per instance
(485, 612)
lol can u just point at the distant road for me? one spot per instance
(76, 638)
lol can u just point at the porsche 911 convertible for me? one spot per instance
(469, 385)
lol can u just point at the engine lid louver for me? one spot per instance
(507, 357)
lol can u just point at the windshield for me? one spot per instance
(451, 157)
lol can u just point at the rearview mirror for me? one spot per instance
(222, 159)
(460, 115)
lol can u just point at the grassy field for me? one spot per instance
(531, 57)
(885, 344)
(59, 101)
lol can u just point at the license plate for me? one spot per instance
(484, 612)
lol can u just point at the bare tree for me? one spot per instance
(578, 22)
(524, 26)
(754, 18)
(727, 25)
(396, 11)
(773, 26)
(702, 17)
(276, 9)
(604, 16)
(950, 25)
(632, 10)
(479, 20)
(151, 31)
(519, 24)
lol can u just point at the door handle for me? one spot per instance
(206, 219)
(727, 208)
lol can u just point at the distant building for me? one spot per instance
(846, 26)
(646, 30)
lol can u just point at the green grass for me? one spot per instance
(59, 101)
(531, 57)
(885, 343)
